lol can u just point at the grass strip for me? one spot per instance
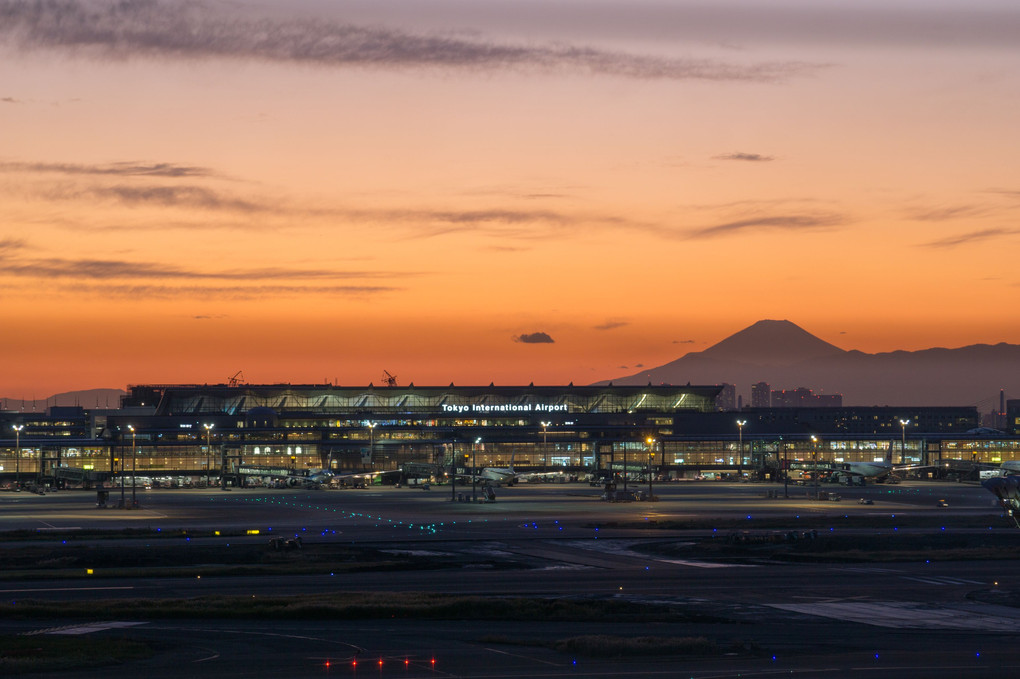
(47, 653)
(355, 606)
(614, 646)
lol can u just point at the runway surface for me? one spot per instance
(926, 618)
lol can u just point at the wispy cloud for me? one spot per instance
(148, 28)
(947, 213)
(229, 293)
(189, 197)
(772, 223)
(534, 338)
(135, 187)
(9, 100)
(972, 237)
(10, 245)
(749, 157)
(421, 223)
(112, 169)
(610, 325)
(686, 341)
(112, 269)
(137, 280)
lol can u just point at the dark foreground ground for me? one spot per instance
(712, 580)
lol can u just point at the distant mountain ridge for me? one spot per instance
(772, 342)
(86, 398)
(786, 356)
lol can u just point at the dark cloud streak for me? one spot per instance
(944, 214)
(972, 237)
(534, 338)
(176, 196)
(108, 269)
(775, 223)
(146, 28)
(10, 245)
(113, 169)
(233, 293)
(747, 157)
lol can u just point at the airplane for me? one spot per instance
(319, 475)
(544, 477)
(1007, 489)
(494, 475)
(285, 476)
(877, 471)
(880, 472)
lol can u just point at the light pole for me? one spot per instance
(740, 447)
(625, 444)
(371, 441)
(545, 444)
(453, 471)
(208, 454)
(134, 450)
(474, 470)
(903, 441)
(814, 476)
(651, 454)
(123, 505)
(17, 453)
(786, 471)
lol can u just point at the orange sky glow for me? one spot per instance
(336, 189)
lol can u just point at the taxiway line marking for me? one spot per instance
(62, 589)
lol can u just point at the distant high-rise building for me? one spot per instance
(802, 397)
(760, 395)
(1012, 416)
(727, 398)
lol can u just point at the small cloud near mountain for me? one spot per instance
(534, 338)
(746, 157)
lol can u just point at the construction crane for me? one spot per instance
(390, 380)
(237, 379)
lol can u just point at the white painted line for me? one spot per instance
(939, 580)
(706, 564)
(93, 627)
(61, 589)
(903, 615)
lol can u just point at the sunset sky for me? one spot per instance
(479, 191)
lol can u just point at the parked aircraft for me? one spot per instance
(1007, 489)
(494, 475)
(544, 477)
(878, 472)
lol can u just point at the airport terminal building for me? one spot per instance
(230, 431)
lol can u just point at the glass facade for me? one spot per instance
(674, 430)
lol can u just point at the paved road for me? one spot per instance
(930, 619)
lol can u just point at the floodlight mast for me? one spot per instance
(134, 465)
(17, 452)
(208, 454)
